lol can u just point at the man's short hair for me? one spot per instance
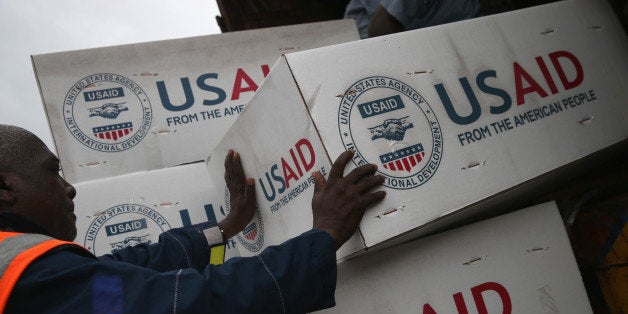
(17, 147)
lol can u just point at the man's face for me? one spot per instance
(44, 197)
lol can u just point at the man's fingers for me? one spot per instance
(372, 198)
(228, 157)
(367, 183)
(237, 168)
(249, 193)
(234, 174)
(319, 182)
(338, 168)
(359, 173)
(228, 165)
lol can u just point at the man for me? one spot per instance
(382, 17)
(41, 272)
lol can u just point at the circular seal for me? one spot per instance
(252, 236)
(107, 112)
(390, 124)
(124, 225)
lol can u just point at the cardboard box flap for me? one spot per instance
(279, 148)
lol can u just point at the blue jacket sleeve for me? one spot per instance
(297, 276)
(177, 248)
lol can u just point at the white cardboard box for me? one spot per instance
(145, 106)
(545, 99)
(521, 262)
(114, 213)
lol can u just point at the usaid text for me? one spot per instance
(562, 62)
(478, 298)
(205, 83)
(294, 165)
(208, 90)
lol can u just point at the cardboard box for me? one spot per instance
(122, 109)
(114, 213)
(453, 115)
(516, 263)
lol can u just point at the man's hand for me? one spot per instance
(339, 202)
(242, 196)
(382, 23)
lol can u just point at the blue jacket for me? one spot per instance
(412, 14)
(173, 276)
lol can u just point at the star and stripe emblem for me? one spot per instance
(403, 159)
(113, 131)
(250, 232)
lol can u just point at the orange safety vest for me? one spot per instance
(17, 251)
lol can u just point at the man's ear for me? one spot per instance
(6, 191)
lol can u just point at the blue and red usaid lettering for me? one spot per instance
(524, 84)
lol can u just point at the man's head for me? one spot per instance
(31, 185)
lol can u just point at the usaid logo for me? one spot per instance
(122, 226)
(252, 236)
(388, 123)
(107, 112)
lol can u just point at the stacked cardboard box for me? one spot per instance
(128, 120)
(458, 117)
(521, 262)
(123, 109)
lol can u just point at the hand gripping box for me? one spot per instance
(114, 213)
(458, 117)
(146, 106)
(521, 262)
